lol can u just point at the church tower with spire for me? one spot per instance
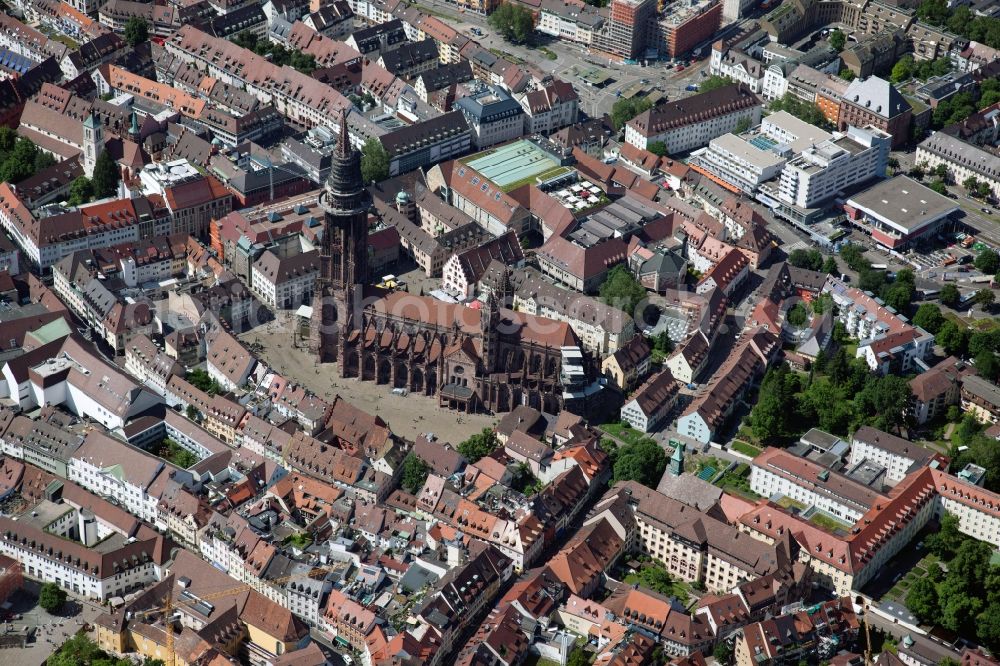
(93, 143)
(343, 252)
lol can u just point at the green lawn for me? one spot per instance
(744, 448)
(828, 523)
(623, 432)
(788, 503)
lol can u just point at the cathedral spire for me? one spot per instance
(343, 141)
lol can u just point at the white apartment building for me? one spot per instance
(147, 363)
(549, 109)
(899, 456)
(738, 162)
(821, 171)
(285, 282)
(735, 64)
(963, 160)
(883, 334)
(493, 115)
(75, 567)
(775, 81)
(777, 472)
(110, 468)
(567, 21)
(692, 122)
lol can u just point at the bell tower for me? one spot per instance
(343, 251)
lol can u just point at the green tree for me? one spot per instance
(934, 11)
(939, 186)
(971, 184)
(988, 626)
(479, 445)
(578, 657)
(742, 125)
(81, 191)
(830, 266)
(192, 413)
(723, 653)
(987, 340)
(838, 40)
(802, 110)
(643, 461)
(713, 82)
(797, 315)
(922, 599)
(43, 161)
(949, 295)
(929, 318)
(415, 472)
(136, 31)
(945, 542)
(625, 110)
(802, 258)
(988, 262)
(514, 22)
(8, 137)
(883, 402)
(374, 161)
(106, 176)
(620, 289)
(902, 70)
(987, 365)
(200, 379)
(953, 338)
(899, 295)
(51, 597)
(847, 74)
(985, 298)
(661, 343)
(657, 148)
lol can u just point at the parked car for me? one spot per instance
(692, 87)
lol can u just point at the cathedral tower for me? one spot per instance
(343, 251)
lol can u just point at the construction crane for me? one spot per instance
(169, 605)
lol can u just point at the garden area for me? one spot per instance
(173, 452)
(737, 482)
(624, 432)
(920, 570)
(955, 585)
(654, 576)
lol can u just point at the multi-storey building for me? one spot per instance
(623, 33)
(691, 545)
(876, 102)
(652, 402)
(963, 160)
(887, 341)
(683, 26)
(693, 121)
(899, 212)
(981, 398)
(92, 573)
(777, 472)
(899, 456)
(832, 166)
(568, 20)
(285, 282)
(493, 115)
(110, 468)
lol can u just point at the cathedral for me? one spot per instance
(488, 359)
